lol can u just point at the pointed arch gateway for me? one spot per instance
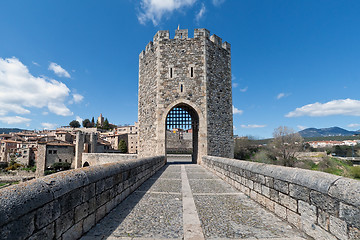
(182, 121)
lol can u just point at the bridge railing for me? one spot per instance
(322, 205)
(67, 204)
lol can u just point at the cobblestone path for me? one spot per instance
(185, 201)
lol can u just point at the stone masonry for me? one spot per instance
(192, 72)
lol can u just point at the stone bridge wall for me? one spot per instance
(101, 158)
(67, 204)
(322, 205)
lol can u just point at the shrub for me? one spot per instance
(60, 166)
(355, 172)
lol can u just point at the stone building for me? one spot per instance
(186, 82)
(52, 152)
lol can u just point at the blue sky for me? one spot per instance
(294, 63)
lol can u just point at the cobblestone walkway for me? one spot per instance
(185, 201)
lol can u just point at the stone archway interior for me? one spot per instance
(182, 127)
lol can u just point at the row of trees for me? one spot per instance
(284, 147)
(90, 124)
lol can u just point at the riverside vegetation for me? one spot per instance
(287, 148)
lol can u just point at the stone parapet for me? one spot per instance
(67, 204)
(322, 205)
(101, 158)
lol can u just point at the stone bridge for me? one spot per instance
(151, 198)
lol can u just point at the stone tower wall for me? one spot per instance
(148, 72)
(181, 70)
(219, 98)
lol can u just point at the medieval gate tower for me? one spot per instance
(186, 83)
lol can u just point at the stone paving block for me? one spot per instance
(237, 217)
(338, 227)
(210, 186)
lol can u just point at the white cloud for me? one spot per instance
(354, 125)
(154, 10)
(218, 2)
(14, 120)
(347, 107)
(301, 127)
(280, 95)
(235, 85)
(20, 90)
(234, 128)
(58, 70)
(200, 13)
(35, 63)
(253, 126)
(49, 126)
(243, 89)
(79, 119)
(77, 98)
(237, 111)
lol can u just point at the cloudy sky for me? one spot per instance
(294, 63)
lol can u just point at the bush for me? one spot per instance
(60, 166)
(13, 166)
(355, 172)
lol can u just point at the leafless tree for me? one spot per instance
(286, 144)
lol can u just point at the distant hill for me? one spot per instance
(8, 130)
(326, 132)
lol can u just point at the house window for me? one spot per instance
(59, 160)
(54, 151)
(50, 151)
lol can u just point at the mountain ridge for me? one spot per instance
(326, 132)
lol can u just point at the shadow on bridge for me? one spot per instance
(143, 205)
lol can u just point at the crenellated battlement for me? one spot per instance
(183, 34)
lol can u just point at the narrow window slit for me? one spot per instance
(192, 72)
(181, 87)
(171, 72)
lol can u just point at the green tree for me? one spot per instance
(106, 124)
(286, 144)
(92, 122)
(74, 124)
(86, 123)
(122, 146)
